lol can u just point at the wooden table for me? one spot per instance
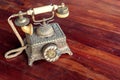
(93, 34)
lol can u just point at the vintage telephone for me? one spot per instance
(43, 41)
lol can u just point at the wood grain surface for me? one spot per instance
(93, 34)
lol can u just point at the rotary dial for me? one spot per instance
(50, 52)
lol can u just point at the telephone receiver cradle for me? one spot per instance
(44, 40)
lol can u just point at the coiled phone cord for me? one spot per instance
(15, 52)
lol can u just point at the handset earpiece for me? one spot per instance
(62, 12)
